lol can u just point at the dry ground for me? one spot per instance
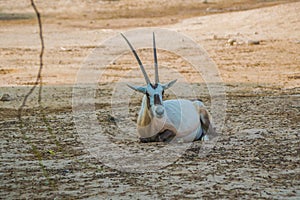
(257, 152)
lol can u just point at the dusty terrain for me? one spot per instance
(257, 152)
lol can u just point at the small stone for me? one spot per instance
(231, 41)
(253, 42)
(254, 133)
(111, 119)
(6, 97)
(215, 37)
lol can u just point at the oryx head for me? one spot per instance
(154, 92)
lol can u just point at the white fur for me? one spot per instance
(181, 117)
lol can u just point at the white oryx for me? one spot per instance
(163, 121)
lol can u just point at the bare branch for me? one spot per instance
(36, 83)
(39, 75)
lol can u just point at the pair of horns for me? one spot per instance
(140, 62)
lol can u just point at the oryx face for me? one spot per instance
(155, 100)
(154, 95)
(154, 92)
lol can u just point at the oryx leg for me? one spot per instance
(166, 136)
(149, 139)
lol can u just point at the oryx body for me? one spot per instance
(181, 118)
(159, 120)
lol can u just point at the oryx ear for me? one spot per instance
(168, 85)
(138, 88)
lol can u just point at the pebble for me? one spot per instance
(254, 133)
(6, 97)
(231, 41)
(253, 42)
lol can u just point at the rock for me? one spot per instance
(253, 42)
(6, 97)
(231, 41)
(254, 133)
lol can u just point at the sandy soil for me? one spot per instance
(257, 152)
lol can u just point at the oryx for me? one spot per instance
(163, 121)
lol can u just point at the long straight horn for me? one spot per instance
(138, 59)
(155, 60)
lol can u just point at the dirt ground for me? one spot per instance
(257, 152)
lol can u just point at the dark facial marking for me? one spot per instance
(154, 86)
(157, 100)
(148, 100)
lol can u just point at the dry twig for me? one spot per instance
(39, 75)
